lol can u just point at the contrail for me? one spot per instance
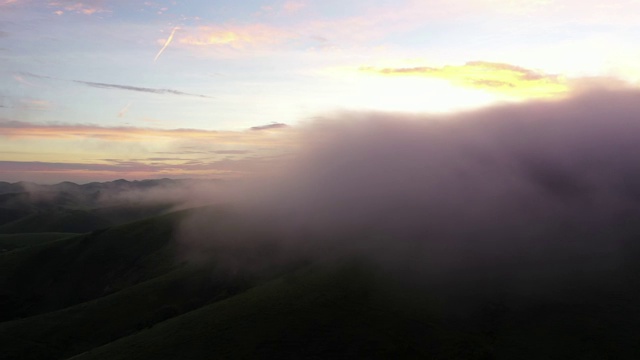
(124, 110)
(166, 43)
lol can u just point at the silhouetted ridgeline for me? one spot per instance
(68, 207)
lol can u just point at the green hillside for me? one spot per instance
(58, 274)
(142, 291)
(349, 311)
(59, 220)
(42, 200)
(8, 215)
(10, 242)
(122, 280)
(79, 328)
(129, 212)
(337, 312)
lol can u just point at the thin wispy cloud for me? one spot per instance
(136, 168)
(78, 7)
(36, 76)
(101, 85)
(33, 104)
(23, 81)
(19, 129)
(139, 89)
(293, 6)
(124, 110)
(205, 152)
(269, 126)
(230, 152)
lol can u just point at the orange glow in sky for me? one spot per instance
(225, 68)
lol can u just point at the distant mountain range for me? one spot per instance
(116, 185)
(72, 208)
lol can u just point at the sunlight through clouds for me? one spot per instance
(495, 77)
(131, 76)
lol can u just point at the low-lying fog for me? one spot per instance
(547, 191)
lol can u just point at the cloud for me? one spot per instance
(496, 77)
(269, 126)
(124, 110)
(293, 6)
(231, 152)
(203, 151)
(375, 23)
(236, 36)
(85, 8)
(100, 85)
(139, 89)
(31, 104)
(19, 129)
(109, 169)
(370, 26)
(138, 153)
(510, 200)
(23, 81)
(36, 76)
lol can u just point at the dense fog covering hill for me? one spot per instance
(135, 291)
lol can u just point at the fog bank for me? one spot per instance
(540, 189)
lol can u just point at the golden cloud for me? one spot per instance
(496, 77)
(236, 36)
(77, 7)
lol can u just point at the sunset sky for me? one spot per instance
(98, 90)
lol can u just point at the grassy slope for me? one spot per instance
(10, 242)
(352, 312)
(336, 312)
(125, 213)
(8, 215)
(95, 288)
(59, 220)
(104, 275)
(66, 332)
(58, 274)
(27, 213)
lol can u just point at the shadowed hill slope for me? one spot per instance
(336, 312)
(59, 220)
(63, 333)
(58, 274)
(351, 311)
(123, 293)
(119, 280)
(9, 242)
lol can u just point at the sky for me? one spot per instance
(99, 90)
